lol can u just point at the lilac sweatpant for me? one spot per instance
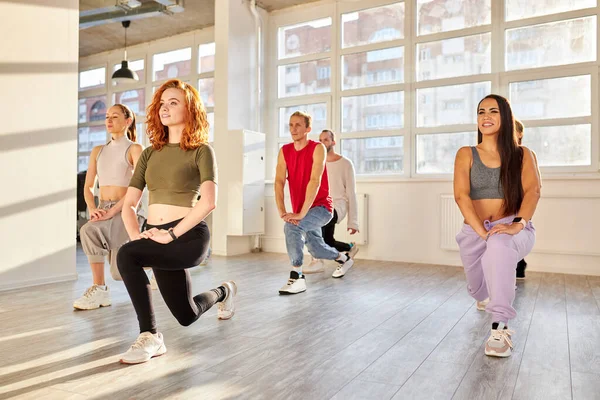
(490, 266)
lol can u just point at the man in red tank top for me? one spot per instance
(302, 163)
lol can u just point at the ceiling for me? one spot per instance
(198, 14)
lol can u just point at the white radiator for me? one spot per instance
(342, 235)
(451, 222)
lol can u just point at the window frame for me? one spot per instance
(498, 77)
(146, 52)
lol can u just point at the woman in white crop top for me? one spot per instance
(113, 165)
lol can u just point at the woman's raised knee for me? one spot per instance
(125, 255)
(186, 320)
(87, 230)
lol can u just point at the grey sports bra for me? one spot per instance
(485, 182)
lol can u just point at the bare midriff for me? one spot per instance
(112, 193)
(159, 214)
(489, 209)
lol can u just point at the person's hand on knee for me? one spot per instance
(96, 214)
(292, 218)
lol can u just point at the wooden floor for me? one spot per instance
(386, 330)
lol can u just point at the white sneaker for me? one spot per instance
(499, 344)
(144, 348)
(94, 297)
(153, 283)
(482, 304)
(296, 284)
(314, 267)
(227, 306)
(353, 250)
(343, 268)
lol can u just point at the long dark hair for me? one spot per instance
(511, 156)
(131, 129)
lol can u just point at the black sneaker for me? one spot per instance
(521, 265)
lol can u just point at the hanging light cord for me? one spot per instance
(125, 43)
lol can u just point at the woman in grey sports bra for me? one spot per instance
(497, 188)
(103, 235)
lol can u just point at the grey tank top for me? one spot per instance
(485, 182)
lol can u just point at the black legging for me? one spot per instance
(328, 231)
(169, 263)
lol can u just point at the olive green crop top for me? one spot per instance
(174, 175)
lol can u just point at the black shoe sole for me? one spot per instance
(289, 293)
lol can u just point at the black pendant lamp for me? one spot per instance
(124, 74)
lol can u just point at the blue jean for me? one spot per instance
(308, 232)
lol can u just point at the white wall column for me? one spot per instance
(38, 141)
(236, 86)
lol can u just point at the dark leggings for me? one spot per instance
(328, 231)
(169, 263)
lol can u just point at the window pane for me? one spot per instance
(549, 98)
(450, 15)
(557, 146)
(206, 58)
(317, 111)
(137, 66)
(211, 129)
(373, 112)
(172, 64)
(373, 68)
(555, 43)
(448, 105)
(305, 78)
(82, 163)
(207, 91)
(92, 79)
(376, 155)
(436, 153)
(519, 9)
(141, 134)
(468, 55)
(91, 136)
(134, 99)
(305, 38)
(92, 109)
(373, 25)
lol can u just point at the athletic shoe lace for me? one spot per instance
(502, 334)
(90, 291)
(291, 281)
(141, 342)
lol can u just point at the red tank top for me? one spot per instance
(299, 167)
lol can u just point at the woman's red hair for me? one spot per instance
(195, 132)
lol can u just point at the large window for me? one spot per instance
(172, 64)
(206, 82)
(304, 75)
(403, 101)
(371, 100)
(192, 61)
(453, 74)
(94, 78)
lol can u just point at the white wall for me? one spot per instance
(38, 141)
(236, 102)
(404, 225)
